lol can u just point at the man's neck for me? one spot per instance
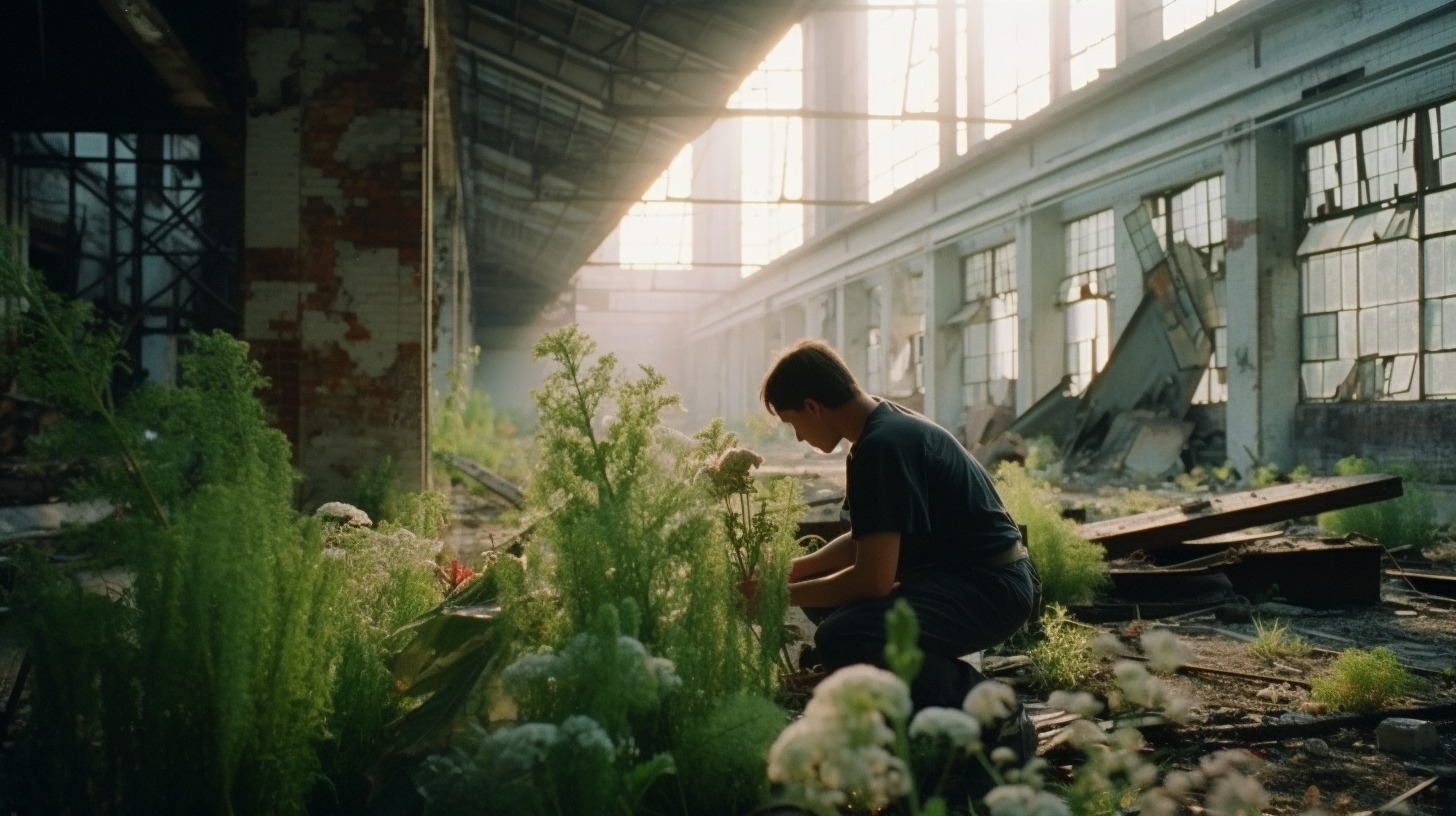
(850, 418)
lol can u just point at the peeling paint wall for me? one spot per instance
(336, 303)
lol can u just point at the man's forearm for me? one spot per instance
(830, 558)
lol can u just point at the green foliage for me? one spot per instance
(1041, 453)
(1408, 519)
(1063, 654)
(466, 423)
(629, 522)
(1362, 680)
(209, 682)
(1201, 477)
(721, 755)
(1273, 641)
(1072, 568)
(1136, 501)
(376, 489)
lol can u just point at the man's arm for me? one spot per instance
(832, 557)
(869, 573)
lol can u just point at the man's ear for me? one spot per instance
(813, 407)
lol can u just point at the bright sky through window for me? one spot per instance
(1018, 60)
(773, 155)
(904, 78)
(658, 233)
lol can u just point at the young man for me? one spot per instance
(926, 525)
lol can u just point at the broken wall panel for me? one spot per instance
(1237, 511)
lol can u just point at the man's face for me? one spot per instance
(811, 426)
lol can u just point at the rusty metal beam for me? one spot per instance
(193, 92)
(1237, 511)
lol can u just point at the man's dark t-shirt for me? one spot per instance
(908, 475)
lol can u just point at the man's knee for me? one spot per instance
(840, 642)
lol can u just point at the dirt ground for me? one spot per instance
(1312, 760)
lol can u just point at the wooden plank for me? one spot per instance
(1238, 511)
(490, 481)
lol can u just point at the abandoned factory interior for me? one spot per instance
(397, 407)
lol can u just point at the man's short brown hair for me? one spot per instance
(810, 369)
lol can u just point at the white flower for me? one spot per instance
(1236, 795)
(1083, 734)
(1232, 760)
(1107, 645)
(948, 724)
(1004, 756)
(519, 677)
(1158, 802)
(1165, 652)
(990, 702)
(518, 750)
(1024, 800)
(1138, 686)
(587, 734)
(1080, 703)
(859, 689)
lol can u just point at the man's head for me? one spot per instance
(810, 370)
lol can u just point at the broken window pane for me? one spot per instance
(988, 335)
(1440, 324)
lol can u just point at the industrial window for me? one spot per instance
(1084, 296)
(1377, 263)
(1181, 15)
(1093, 29)
(773, 155)
(1017, 60)
(988, 327)
(1195, 216)
(904, 77)
(658, 232)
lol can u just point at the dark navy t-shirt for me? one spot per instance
(908, 475)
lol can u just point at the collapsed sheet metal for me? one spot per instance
(1154, 367)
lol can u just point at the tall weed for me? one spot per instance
(1072, 568)
(208, 683)
(1408, 519)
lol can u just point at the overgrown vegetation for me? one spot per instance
(1408, 519)
(466, 423)
(1063, 653)
(1362, 680)
(1072, 568)
(233, 666)
(1272, 641)
(643, 659)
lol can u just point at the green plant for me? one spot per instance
(1272, 641)
(208, 683)
(1072, 568)
(1041, 453)
(1266, 476)
(1409, 519)
(1362, 680)
(376, 489)
(466, 423)
(1063, 654)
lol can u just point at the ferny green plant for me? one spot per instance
(1072, 568)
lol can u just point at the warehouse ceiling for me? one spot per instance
(566, 110)
(569, 111)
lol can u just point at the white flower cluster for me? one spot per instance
(1138, 688)
(648, 675)
(519, 751)
(839, 753)
(1231, 789)
(1165, 652)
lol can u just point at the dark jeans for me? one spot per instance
(959, 613)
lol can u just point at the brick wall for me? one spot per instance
(333, 271)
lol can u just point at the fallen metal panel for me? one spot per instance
(490, 481)
(1237, 511)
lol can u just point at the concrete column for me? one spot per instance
(836, 53)
(336, 287)
(1263, 297)
(975, 45)
(1139, 26)
(945, 51)
(943, 352)
(1060, 27)
(1041, 330)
